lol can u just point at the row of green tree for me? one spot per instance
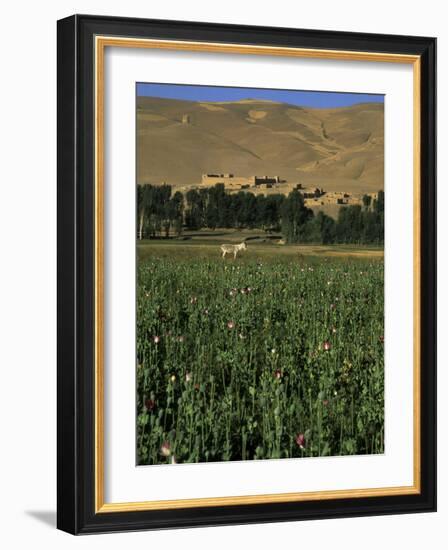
(355, 224)
(160, 212)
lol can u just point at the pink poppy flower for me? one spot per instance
(165, 449)
(300, 440)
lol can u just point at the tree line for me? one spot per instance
(162, 213)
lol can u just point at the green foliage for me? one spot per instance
(367, 201)
(155, 210)
(320, 229)
(194, 214)
(295, 216)
(358, 226)
(236, 360)
(159, 213)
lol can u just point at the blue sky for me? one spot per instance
(221, 93)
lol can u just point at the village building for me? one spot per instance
(313, 194)
(240, 182)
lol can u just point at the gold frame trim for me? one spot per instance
(101, 42)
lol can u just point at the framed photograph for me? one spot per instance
(246, 274)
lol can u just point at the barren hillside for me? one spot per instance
(337, 149)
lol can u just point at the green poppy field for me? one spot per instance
(277, 354)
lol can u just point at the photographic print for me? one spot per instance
(260, 274)
(231, 348)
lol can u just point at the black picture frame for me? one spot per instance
(76, 254)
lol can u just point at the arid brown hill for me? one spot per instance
(338, 149)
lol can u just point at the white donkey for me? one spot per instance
(232, 248)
